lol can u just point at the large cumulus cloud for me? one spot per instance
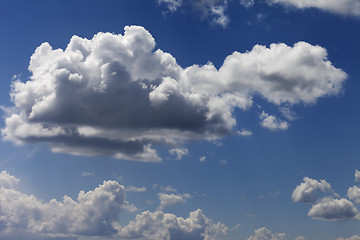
(116, 95)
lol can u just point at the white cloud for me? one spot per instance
(93, 213)
(167, 200)
(114, 95)
(135, 189)
(343, 7)
(334, 210)
(165, 226)
(165, 188)
(223, 162)
(211, 10)
(355, 237)
(7, 180)
(265, 234)
(202, 158)
(172, 5)
(244, 132)
(272, 122)
(309, 190)
(354, 194)
(179, 152)
(288, 113)
(300, 238)
(357, 176)
(247, 3)
(86, 174)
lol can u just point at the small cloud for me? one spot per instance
(86, 174)
(179, 152)
(244, 132)
(164, 188)
(167, 200)
(309, 190)
(355, 237)
(236, 227)
(202, 158)
(357, 176)
(223, 162)
(130, 208)
(272, 122)
(334, 210)
(169, 189)
(135, 189)
(288, 113)
(247, 3)
(265, 234)
(260, 17)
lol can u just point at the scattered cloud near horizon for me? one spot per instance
(93, 213)
(265, 234)
(115, 95)
(24, 215)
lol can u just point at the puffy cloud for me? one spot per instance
(357, 176)
(265, 234)
(7, 180)
(202, 158)
(93, 213)
(354, 194)
(136, 189)
(355, 237)
(330, 208)
(272, 122)
(114, 95)
(167, 200)
(334, 210)
(179, 152)
(343, 7)
(165, 226)
(309, 190)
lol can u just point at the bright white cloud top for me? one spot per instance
(115, 95)
(310, 189)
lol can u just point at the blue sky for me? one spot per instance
(170, 119)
